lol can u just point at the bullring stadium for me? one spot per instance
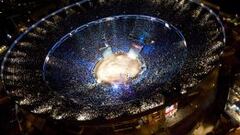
(117, 66)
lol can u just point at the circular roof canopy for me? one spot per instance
(49, 69)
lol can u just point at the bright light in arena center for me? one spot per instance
(118, 68)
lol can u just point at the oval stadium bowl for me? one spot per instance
(99, 60)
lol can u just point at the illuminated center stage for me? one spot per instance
(118, 68)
